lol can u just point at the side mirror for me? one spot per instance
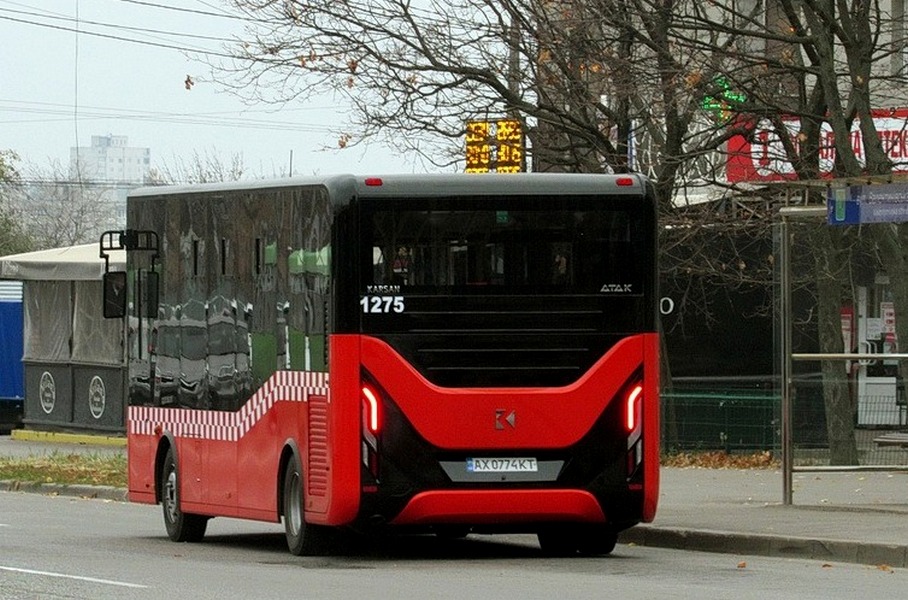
(150, 295)
(114, 300)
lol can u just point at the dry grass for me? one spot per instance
(721, 460)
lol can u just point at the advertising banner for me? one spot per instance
(761, 157)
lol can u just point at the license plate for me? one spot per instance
(501, 465)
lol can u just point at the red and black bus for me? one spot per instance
(447, 353)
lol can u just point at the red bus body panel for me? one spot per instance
(465, 419)
(544, 418)
(500, 507)
(229, 462)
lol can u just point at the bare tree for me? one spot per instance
(58, 212)
(13, 238)
(600, 85)
(813, 71)
(199, 168)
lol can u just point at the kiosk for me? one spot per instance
(74, 359)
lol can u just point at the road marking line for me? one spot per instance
(77, 577)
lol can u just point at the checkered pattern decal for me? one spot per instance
(282, 386)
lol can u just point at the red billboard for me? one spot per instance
(761, 157)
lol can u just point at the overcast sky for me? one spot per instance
(59, 87)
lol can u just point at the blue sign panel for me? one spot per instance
(842, 208)
(883, 203)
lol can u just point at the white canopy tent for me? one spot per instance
(74, 263)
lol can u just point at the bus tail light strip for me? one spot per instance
(634, 413)
(371, 417)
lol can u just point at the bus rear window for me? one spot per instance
(509, 246)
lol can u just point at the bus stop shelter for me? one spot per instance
(73, 358)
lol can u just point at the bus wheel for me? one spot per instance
(558, 542)
(181, 527)
(597, 541)
(568, 541)
(303, 539)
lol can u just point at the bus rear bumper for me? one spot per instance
(499, 507)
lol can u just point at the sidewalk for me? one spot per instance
(846, 517)
(836, 517)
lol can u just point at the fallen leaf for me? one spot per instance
(827, 566)
(742, 565)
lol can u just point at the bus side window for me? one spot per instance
(378, 265)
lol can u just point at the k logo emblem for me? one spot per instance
(502, 417)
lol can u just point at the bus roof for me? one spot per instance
(427, 185)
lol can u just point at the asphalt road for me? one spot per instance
(64, 547)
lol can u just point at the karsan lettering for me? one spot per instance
(383, 289)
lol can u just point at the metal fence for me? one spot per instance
(728, 414)
(744, 416)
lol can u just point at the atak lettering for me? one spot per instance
(617, 288)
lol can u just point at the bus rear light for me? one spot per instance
(373, 181)
(634, 408)
(371, 428)
(633, 421)
(624, 181)
(371, 417)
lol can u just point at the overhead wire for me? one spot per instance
(76, 98)
(212, 118)
(77, 25)
(123, 39)
(67, 19)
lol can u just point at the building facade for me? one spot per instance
(110, 159)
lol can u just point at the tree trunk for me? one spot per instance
(829, 260)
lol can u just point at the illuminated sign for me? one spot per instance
(722, 103)
(495, 146)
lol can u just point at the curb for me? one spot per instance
(866, 553)
(95, 492)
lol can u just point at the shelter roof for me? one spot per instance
(73, 263)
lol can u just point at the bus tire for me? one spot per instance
(569, 541)
(597, 541)
(181, 527)
(303, 539)
(558, 542)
